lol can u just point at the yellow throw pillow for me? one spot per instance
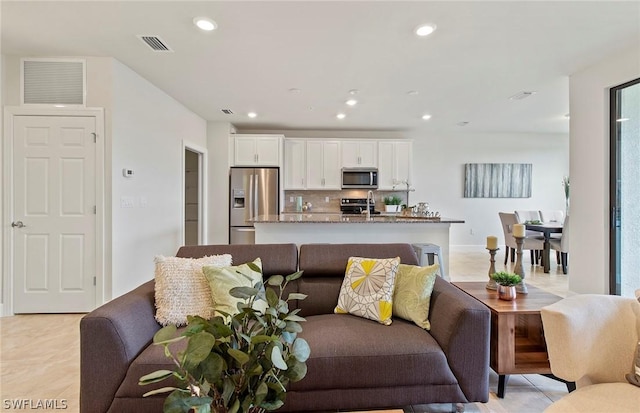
(182, 290)
(412, 295)
(222, 280)
(367, 289)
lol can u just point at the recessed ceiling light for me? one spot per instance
(341, 116)
(353, 91)
(412, 92)
(205, 23)
(425, 30)
(252, 114)
(426, 116)
(351, 102)
(294, 90)
(463, 123)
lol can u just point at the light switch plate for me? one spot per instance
(127, 202)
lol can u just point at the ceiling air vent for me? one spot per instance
(155, 43)
(227, 111)
(522, 95)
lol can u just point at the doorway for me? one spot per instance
(194, 232)
(625, 192)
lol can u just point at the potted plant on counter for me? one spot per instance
(392, 203)
(506, 284)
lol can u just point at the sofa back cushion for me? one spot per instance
(276, 258)
(324, 266)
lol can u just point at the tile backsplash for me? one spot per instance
(318, 199)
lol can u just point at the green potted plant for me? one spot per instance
(392, 203)
(236, 363)
(506, 284)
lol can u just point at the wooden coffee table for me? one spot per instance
(517, 339)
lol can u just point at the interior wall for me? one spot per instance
(218, 186)
(148, 209)
(589, 102)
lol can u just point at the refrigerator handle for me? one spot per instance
(251, 200)
(255, 197)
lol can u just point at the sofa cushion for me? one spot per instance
(276, 258)
(412, 293)
(367, 288)
(352, 352)
(330, 260)
(181, 288)
(223, 279)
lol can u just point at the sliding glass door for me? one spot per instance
(625, 189)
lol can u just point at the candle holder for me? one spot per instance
(519, 270)
(492, 285)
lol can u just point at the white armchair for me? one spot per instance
(591, 340)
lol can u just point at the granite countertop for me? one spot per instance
(333, 218)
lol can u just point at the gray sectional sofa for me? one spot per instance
(355, 363)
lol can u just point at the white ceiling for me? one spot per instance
(481, 54)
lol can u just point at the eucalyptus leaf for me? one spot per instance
(166, 334)
(155, 377)
(301, 349)
(240, 356)
(294, 317)
(272, 297)
(296, 296)
(272, 404)
(228, 386)
(262, 339)
(243, 293)
(297, 370)
(159, 391)
(181, 402)
(235, 407)
(261, 393)
(199, 347)
(293, 327)
(288, 337)
(277, 360)
(275, 280)
(212, 367)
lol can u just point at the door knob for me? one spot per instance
(18, 224)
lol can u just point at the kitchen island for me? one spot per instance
(309, 228)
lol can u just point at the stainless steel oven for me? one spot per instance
(359, 178)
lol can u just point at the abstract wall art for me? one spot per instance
(497, 180)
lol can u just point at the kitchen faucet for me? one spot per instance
(369, 198)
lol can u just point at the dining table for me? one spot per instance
(546, 228)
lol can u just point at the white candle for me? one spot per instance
(518, 230)
(492, 242)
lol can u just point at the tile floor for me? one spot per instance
(39, 354)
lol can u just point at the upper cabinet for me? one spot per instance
(256, 150)
(295, 164)
(323, 164)
(359, 153)
(394, 164)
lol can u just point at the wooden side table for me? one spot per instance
(517, 340)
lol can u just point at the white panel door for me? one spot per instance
(54, 221)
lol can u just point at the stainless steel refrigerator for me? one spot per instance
(253, 192)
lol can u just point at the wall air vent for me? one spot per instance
(227, 111)
(46, 81)
(155, 43)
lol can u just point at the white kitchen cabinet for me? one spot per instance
(323, 164)
(359, 154)
(394, 164)
(295, 164)
(256, 150)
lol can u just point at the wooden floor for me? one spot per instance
(39, 354)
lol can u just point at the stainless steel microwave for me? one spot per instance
(359, 178)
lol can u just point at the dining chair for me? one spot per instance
(562, 245)
(533, 244)
(552, 216)
(529, 215)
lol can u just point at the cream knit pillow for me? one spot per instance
(181, 288)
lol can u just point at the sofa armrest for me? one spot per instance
(462, 326)
(591, 338)
(111, 336)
